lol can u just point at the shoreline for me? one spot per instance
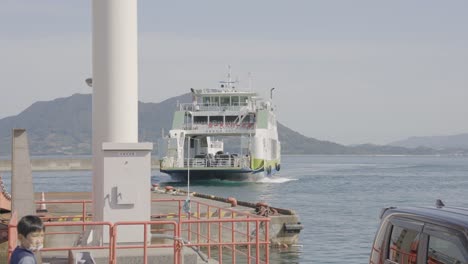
(62, 164)
(85, 163)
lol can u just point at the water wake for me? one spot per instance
(275, 180)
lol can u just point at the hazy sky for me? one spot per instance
(346, 71)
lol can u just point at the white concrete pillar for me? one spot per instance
(115, 118)
(115, 71)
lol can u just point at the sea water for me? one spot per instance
(338, 198)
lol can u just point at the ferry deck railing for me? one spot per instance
(216, 107)
(209, 230)
(220, 127)
(230, 162)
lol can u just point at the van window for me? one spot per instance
(441, 251)
(403, 245)
(377, 249)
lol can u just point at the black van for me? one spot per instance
(422, 235)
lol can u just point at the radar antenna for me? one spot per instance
(229, 77)
(229, 83)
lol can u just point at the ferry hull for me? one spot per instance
(218, 174)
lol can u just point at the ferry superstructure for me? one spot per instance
(225, 134)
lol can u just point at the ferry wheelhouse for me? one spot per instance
(225, 134)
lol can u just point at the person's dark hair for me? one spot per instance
(29, 224)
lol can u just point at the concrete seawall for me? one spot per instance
(62, 164)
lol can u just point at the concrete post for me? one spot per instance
(115, 117)
(22, 192)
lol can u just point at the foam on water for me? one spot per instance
(276, 180)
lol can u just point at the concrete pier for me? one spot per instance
(214, 208)
(278, 234)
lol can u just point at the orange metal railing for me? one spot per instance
(82, 216)
(145, 246)
(12, 236)
(228, 236)
(240, 238)
(209, 230)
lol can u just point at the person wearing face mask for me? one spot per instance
(31, 235)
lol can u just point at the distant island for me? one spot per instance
(63, 127)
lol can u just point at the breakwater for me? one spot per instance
(62, 164)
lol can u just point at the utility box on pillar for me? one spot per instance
(126, 185)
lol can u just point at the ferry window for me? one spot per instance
(235, 100)
(403, 245)
(225, 100)
(200, 119)
(203, 143)
(250, 118)
(214, 100)
(243, 100)
(206, 100)
(188, 118)
(216, 119)
(441, 251)
(231, 119)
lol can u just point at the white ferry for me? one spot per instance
(225, 134)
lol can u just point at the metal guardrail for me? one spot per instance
(12, 236)
(209, 227)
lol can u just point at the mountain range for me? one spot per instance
(63, 127)
(435, 142)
